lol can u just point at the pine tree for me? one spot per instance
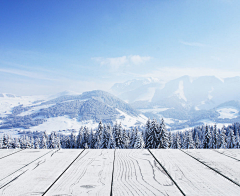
(139, 143)
(231, 139)
(178, 141)
(105, 137)
(151, 139)
(79, 138)
(53, 140)
(215, 137)
(164, 140)
(73, 141)
(111, 142)
(237, 141)
(98, 135)
(37, 143)
(197, 142)
(6, 142)
(191, 142)
(133, 137)
(44, 141)
(207, 138)
(223, 139)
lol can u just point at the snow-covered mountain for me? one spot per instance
(137, 89)
(186, 101)
(66, 111)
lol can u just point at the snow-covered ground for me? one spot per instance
(129, 121)
(229, 113)
(61, 123)
(35, 109)
(8, 103)
(154, 110)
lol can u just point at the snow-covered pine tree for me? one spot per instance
(79, 138)
(133, 137)
(191, 144)
(215, 137)
(37, 143)
(147, 130)
(164, 140)
(98, 135)
(197, 141)
(139, 143)
(92, 140)
(178, 141)
(5, 142)
(105, 138)
(183, 140)
(207, 139)
(32, 143)
(237, 141)
(231, 139)
(85, 138)
(111, 142)
(171, 138)
(73, 141)
(44, 141)
(223, 139)
(52, 140)
(126, 140)
(152, 135)
(118, 137)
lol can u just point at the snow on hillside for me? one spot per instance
(180, 92)
(229, 113)
(129, 121)
(61, 123)
(8, 103)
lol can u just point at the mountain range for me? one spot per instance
(184, 102)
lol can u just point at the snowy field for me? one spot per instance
(119, 172)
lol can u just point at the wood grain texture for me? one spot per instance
(137, 173)
(8, 152)
(90, 174)
(234, 153)
(193, 177)
(38, 176)
(18, 160)
(223, 164)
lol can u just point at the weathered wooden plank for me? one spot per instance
(223, 164)
(36, 178)
(90, 174)
(193, 177)
(137, 173)
(7, 152)
(234, 153)
(12, 163)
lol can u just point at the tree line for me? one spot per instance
(153, 136)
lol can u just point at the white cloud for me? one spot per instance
(196, 44)
(117, 62)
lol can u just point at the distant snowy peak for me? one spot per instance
(130, 85)
(180, 92)
(63, 93)
(7, 95)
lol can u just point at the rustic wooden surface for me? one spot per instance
(192, 176)
(119, 172)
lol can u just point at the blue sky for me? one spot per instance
(78, 45)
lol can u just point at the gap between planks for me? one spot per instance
(24, 166)
(167, 173)
(212, 168)
(63, 172)
(226, 155)
(112, 173)
(11, 154)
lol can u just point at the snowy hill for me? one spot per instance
(186, 101)
(67, 111)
